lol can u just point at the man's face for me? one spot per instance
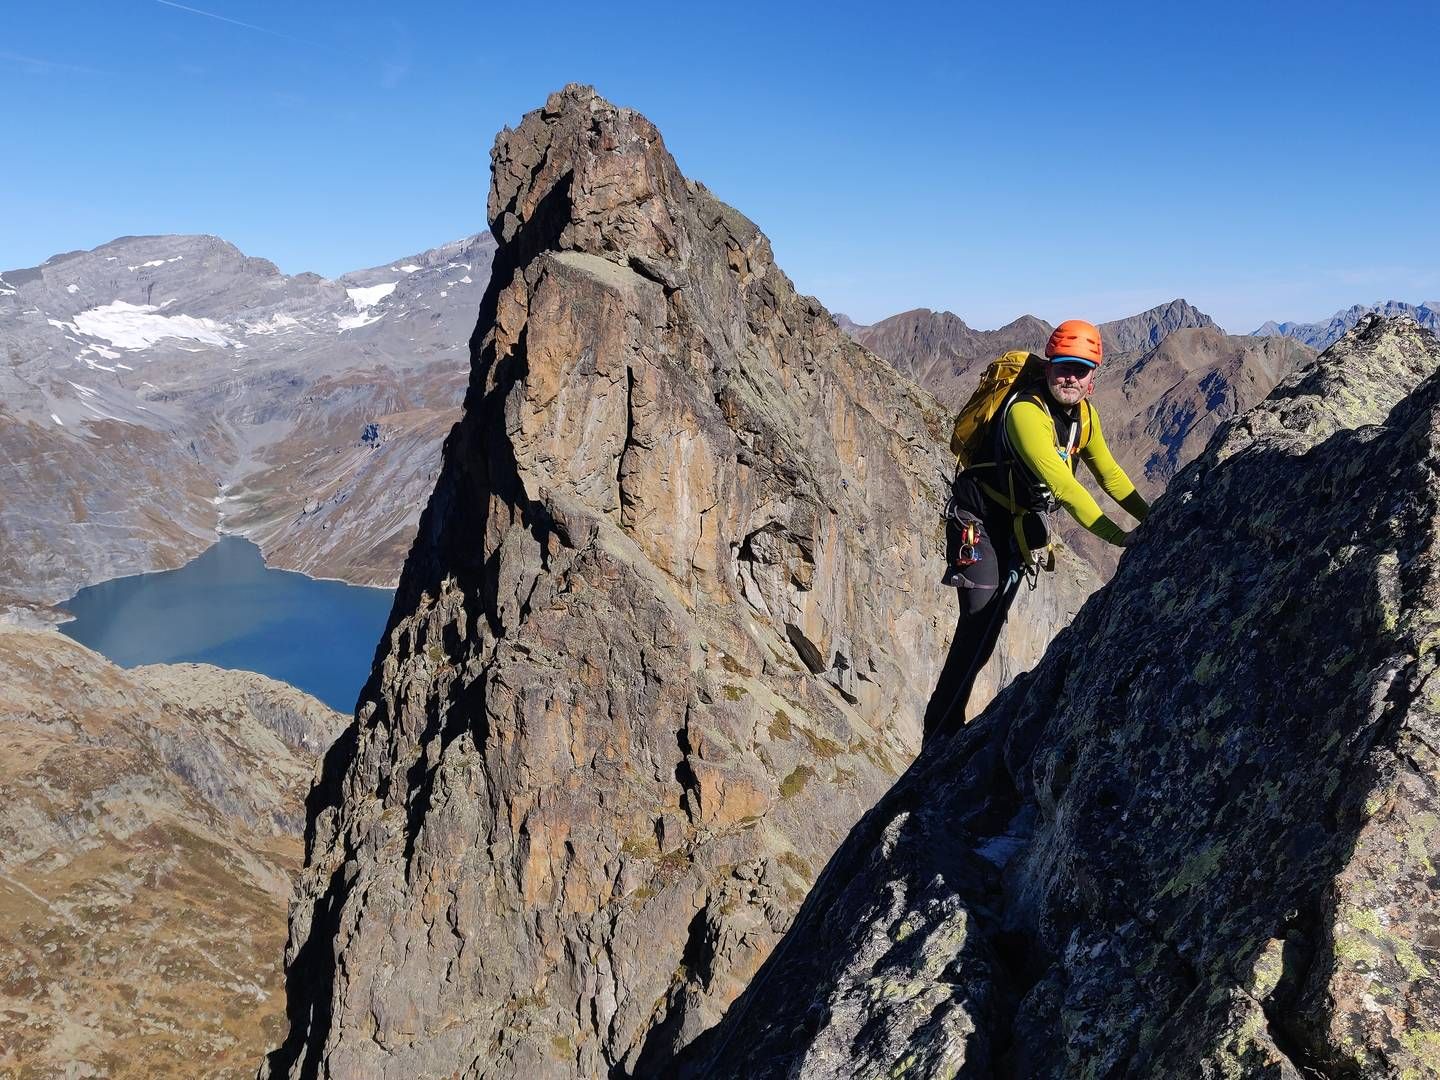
(1069, 381)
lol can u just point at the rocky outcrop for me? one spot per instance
(150, 828)
(1198, 839)
(667, 631)
(1321, 335)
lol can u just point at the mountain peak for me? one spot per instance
(1147, 329)
(664, 634)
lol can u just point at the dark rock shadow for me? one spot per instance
(447, 553)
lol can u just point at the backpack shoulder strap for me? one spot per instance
(1004, 451)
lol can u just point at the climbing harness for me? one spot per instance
(968, 549)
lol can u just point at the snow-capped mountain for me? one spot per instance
(160, 390)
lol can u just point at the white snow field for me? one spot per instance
(137, 326)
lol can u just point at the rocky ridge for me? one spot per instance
(1196, 840)
(667, 631)
(150, 828)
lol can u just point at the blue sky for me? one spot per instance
(1263, 160)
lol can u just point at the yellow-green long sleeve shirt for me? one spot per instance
(1032, 436)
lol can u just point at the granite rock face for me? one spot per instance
(150, 831)
(1199, 838)
(667, 631)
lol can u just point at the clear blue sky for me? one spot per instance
(1260, 159)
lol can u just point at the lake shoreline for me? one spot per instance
(228, 608)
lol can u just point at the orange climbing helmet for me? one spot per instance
(1075, 339)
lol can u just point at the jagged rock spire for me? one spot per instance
(667, 630)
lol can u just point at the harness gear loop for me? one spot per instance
(969, 547)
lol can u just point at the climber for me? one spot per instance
(1014, 466)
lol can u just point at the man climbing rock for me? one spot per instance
(1017, 442)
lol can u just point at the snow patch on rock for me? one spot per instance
(273, 325)
(354, 322)
(137, 326)
(154, 262)
(367, 297)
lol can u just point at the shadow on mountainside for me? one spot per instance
(1225, 753)
(444, 572)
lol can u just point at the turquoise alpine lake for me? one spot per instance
(229, 609)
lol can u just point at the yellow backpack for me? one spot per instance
(967, 440)
(1000, 377)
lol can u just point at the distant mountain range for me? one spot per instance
(940, 352)
(1321, 335)
(162, 390)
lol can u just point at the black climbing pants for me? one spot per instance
(985, 596)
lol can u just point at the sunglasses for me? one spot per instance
(1071, 369)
